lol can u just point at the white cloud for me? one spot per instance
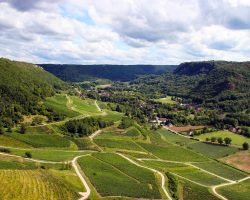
(124, 31)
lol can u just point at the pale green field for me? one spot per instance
(236, 139)
(167, 100)
(34, 185)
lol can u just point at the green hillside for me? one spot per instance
(79, 73)
(22, 86)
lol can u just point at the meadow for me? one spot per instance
(167, 100)
(110, 181)
(59, 104)
(236, 139)
(7, 141)
(33, 185)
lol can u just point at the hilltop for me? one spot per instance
(79, 73)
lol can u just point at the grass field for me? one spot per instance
(49, 154)
(110, 181)
(212, 151)
(83, 143)
(5, 140)
(59, 104)
(174, 153)
(42, 140)
(236, 139)
(39, 130)
(33, 185)
(133, 132)
(118, 144)
(167, 100)
(238, 191)
(186, 171)
(112, 116)
(222, 170)
(85, 107)
(174, 138)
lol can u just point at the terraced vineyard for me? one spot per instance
(113, 163)
(33, 184)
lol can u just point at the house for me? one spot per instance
(104, 94)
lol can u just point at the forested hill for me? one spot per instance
(22, 86)
(79, 73)
(216, 82)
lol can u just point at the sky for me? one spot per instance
(124, 31)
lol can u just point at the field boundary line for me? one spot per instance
(151, 169)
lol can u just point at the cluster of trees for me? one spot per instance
(220, 140)
(86, 126)
(126, 122)
(22, 87)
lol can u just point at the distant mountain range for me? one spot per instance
(80, 73)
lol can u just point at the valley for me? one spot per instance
(116, 142)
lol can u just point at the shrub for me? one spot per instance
(172, 185)
(220, 140)
(23, 128)
(227, 140)
(245, 146)
(5, 150)
(28, 155)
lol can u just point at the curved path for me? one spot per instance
(226, 184)
(151, 169)
(86, 194)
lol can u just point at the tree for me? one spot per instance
(23, 128)
(213, 139)
(207, 139)
(28, 154)
(220, 140)
(245, 146)
(227, 140)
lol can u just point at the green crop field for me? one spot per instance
(5, 140)
(59, 104)
(239, 191)
(236, 139)
(49, 154)
(118, 144)
(138, 173)
(174, 138)
(133, 132)
(42, 140)
(193, 191)
(174, 153)
(213, 151)
(110, 181)
(84, 143)
(222, 170)
(33, 185)
(186, 171)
